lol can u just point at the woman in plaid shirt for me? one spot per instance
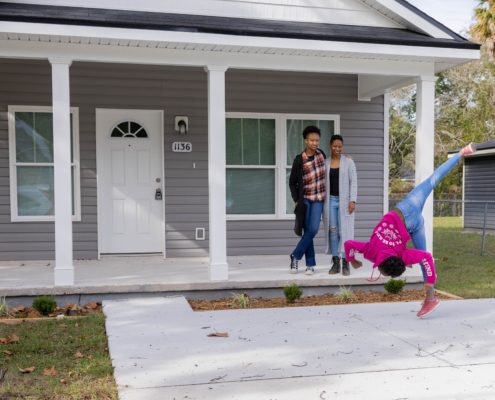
(307, 187)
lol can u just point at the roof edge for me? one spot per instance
(432, 20)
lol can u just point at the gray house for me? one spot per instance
(479, 187)
(169, 126)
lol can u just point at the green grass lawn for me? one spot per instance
(76, 348)
(460, 267)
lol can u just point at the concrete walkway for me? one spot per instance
(160, 350)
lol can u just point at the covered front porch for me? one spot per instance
(295, 70)
(128, 276)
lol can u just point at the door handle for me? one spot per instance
(158, 194)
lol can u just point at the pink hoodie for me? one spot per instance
(389, 238)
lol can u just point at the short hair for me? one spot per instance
(311, 129)
(336, 137)
(392, 266)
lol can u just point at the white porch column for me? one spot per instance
(218, 269)
(425, 143)
(64, 268)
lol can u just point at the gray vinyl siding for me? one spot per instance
(177, 91)
(361, 124)
(183, 91)
(479, 185)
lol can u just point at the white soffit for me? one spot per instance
(219, 43)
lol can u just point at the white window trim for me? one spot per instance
(14, 217)
(280, 159)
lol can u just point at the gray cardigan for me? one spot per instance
(347, 193)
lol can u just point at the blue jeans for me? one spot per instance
(412, 205)
(334, 228)
(311, 225)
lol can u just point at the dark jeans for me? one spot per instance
(312, 220)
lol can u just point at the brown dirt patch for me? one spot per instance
(361, 296)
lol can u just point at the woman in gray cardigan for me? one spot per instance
(340, 203)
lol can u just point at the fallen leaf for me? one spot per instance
(444, 259)
(26, 370)
(93, 305)
(78, 355)
(8, 353)
(63, 381)
(218, 334)
(50, 371)
(9, 339)
(14, 338)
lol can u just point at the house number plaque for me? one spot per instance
(181, 147)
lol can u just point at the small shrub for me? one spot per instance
(45, 304)
(4, 307)
(240, 300)
(345, 295)
(292, 293)
(394, 285)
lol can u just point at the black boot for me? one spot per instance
(345, 268)
(335, 266)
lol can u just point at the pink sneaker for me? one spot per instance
(428, 307)
(468, 150)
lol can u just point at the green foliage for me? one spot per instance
(4, 307)
(45, 304)
(345, 295)
(460, 267)
(394, 285)
(464, 112)
(292, 293)
(240, 300)
(483, 30)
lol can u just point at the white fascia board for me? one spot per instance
(163, 56)
(153, 36)
(413, 18)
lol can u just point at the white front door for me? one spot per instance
(130, 181)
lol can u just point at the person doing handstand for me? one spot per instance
(387, 245)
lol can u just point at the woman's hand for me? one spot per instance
(356, 264)
(352, 206)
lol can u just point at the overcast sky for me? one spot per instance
(455, 14)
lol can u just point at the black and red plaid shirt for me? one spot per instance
(314, 176)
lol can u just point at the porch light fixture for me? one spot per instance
(181, 124)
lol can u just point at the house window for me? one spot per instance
(129, 129)
(32, 163)
(251, 166)
(260, 149)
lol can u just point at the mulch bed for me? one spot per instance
(69, 310)
(361, 296)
